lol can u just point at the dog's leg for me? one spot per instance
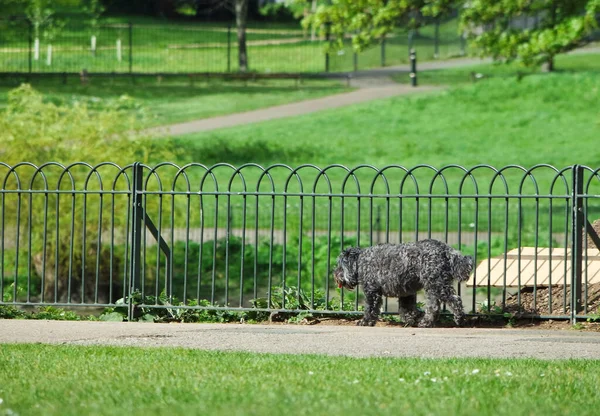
(372, 308)
(454, 303)
(407, 306)
(432, 310)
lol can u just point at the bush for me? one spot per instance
(40, 142)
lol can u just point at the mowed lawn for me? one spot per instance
(543, 118)
(172, 100)
(70, 380)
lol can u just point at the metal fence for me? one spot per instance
(70, 46)
(266, 238)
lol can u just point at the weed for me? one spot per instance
(11, 312)
(594, 317)
(57, 314)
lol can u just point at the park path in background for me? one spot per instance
(371, 84)
(289, 110)
(344, 340)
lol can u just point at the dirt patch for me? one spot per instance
(471, 322)
(552, 300)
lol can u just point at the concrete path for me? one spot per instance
(319, 339)
(372, 84)
(289, 110)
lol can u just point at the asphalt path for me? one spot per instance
(346, 340)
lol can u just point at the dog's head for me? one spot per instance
(346, 271)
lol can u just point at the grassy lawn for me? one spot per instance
(565, 64)
(65, 380)
(175, 100)
(541, 119)
(544, 118)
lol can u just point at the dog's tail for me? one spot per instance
(461, 266)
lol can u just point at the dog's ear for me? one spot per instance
(351, 254)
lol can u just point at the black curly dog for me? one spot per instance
(400, 270)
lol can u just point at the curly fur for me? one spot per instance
(401, 270)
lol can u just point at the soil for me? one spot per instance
(538, 302)
(472, 322)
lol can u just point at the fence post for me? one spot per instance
(229, 47)
(378, 224)
(130, 48)
(137, 212)
(327, 38)
(355, 61)
(383, 51)
(436, 39)
(30, 30)
(577, 223)
(413, 67)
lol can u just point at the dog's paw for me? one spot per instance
(364, 322)
(425, 323)
(460, 321)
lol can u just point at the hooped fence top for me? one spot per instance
(392, 180)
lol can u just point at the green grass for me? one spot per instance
(565, 64)
(175, 99)
(541, 119)
(66, 380)
(544, 118)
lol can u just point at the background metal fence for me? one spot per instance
(266, 238)
(71, 46)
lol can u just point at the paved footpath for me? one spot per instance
(289, 110)
(318, 339)
(372, 84)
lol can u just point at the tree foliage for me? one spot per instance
(547, 28)
(368, 21)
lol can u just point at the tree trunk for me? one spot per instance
(548, 66)
(241, 18)
(165, 8)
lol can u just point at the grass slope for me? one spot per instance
(580, 61)
(67, 380)
(175, 99)
(541, 119)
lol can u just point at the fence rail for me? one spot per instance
(266, 238)
(71, 46)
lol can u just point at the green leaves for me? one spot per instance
(531, 31)
(367, 21)
(111, 317)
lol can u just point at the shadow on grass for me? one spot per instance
(214, 151)
(158, 88)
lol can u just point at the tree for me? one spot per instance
(240, 8)
(533, 31)
(368, 21)
(241, 20)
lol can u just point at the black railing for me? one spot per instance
(247, 237)
(71, 46)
